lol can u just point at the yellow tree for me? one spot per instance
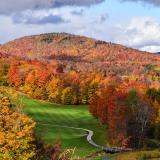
(54, 90)
(67, 96)
(16, 133)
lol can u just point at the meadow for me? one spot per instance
(51, 118)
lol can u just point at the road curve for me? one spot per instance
(89, 135)
(90, 140)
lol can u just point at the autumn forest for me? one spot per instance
(113, 91)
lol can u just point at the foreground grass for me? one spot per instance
(47, 115)
(139, 155)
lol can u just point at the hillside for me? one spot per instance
(65, 72)
(80, 53)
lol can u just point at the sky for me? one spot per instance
(133, 23)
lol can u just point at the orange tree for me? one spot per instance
(127, 112)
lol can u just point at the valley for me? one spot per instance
(50, 118)
(73, 87)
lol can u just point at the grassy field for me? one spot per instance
(47, 115)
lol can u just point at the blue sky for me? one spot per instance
(134, 23)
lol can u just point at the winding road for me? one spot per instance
(90, 140)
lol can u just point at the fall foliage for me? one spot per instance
(16, 133)
(128, 113)
(121, 85)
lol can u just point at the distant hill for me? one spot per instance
(79, 53)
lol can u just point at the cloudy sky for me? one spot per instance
(135, 23)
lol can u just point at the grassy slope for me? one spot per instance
(47, 115)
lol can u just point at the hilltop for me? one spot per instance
(79, 53)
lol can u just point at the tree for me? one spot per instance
(94, 105)
(16, 133)
(115, 103)
(42, 78)
(54, 88)
(92, 90)
(67, 96)
(154, 94)
(84, 85)
(128, 114)
(3, 74)
(14, 77)
(38, 92)
(140, 113)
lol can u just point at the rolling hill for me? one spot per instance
(79, 53)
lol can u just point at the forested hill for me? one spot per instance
(79, 53)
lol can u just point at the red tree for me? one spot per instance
(14, 76)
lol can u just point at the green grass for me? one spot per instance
(47, 115)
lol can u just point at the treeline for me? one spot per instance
(64, 88)
(131, 112)
(41, 82)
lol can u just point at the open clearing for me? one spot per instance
(47, 115)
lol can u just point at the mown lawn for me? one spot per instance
(47, 115)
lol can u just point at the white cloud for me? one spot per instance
(152, 49)
(10, 30)
(142, 33)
